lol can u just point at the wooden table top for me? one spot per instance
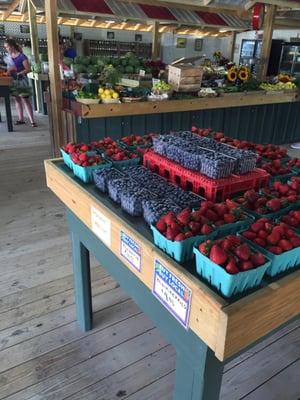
(226, 326)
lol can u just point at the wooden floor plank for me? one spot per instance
(258, 369)
(68, 352)
(132, 378)
(162, 389)
(283, 386)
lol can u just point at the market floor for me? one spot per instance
(43, 353)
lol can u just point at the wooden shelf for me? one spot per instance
(226, 327)
(6, 81)
(147, 107)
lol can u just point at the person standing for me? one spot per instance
(19, 71)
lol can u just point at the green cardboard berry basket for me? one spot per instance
(229, 229)
(67, 159)
(282, 178)
(86, 173)
(124, 163)
(279, 263)
(225, 283)
(180, 251)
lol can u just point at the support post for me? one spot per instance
(266, 42)
(54, 73)
(232, 46)
(155, 41)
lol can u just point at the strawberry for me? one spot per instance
(194, 226)
(176, 228)
(231, 204)
(170, 217)
(289, 233)
(220, 209)
(161, 225)
(196, 216)
(188, 234)
(262, 234)
(211, 215)
(234, 240)
(226, 244)
(180, 237)
(84, 148)
(260, 242)
(257, 259)
(283, 188)
(243, 252)
(257, 226)
(170, 234)
(275, 250)
(249, 235)
(217, 255)
(184, 216)
(206, 229)
(246, 265)
(229, 218)
(285, 245)
(205, 247)
(295, 241)
(273, 238)
(231, 267)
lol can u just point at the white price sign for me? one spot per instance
(172, 293)
(131, 251)
(101, 226)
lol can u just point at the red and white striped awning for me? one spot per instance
(121, 10)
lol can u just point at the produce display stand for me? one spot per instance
(215, 329)
(253, 116)
(5, 83)
(40, 82)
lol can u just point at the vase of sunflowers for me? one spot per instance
(237, 75)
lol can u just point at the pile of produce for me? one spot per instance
(275, 168)
(275, 238)
(293, 163)
(87, 160)
(71, 148)
(278, 86)
(205, 155)
(232, 254)
(292, 219)
(134, 141)
(221, 214)
(107, 94)
(261, 203)
(288, 192)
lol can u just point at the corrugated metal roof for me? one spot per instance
(143, 12)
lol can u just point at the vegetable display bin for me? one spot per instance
(181, 251)
(86, 173)
(67, 159)
(224, 282)
(279, 263)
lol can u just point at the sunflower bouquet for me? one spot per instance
(237, 75)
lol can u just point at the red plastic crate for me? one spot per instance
(211, 189)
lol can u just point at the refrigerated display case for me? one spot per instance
(290, 59)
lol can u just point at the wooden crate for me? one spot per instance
(185, 78)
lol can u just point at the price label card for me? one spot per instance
(142, 72)
(172, 293)
(131, 251)
(101, 226)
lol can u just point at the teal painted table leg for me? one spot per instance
(82, 283)
(198, 374)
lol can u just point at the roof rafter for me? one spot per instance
(10, 9)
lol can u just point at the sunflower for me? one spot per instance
(243, 74)
(232, 74)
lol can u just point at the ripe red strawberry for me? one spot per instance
(170, 217)
(219, 223)
(261, 242)
(231, 267)
(257, 226)
(211, 215)
(285, 245)
(295, 241)
(289, 233)
(161, 225)
(243, 252)
(226, 244)
(273, 238)
(196, 216)
(188, 234)
(246, 265)
(180, 237)
(249, 235)
(275, 250)
(84, 148)
(231, 204)
(170, 234)
(229, 218)
(220, 209)
(217, 255)
(184, 216)
(195, 227)
(234, 240)
(176, 228)
(283, 189)
(262, 234)
(257, 259)
(205, 247)
(206, 229)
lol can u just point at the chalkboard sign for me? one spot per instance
(24, 29)
(77, 36)
(2, 29)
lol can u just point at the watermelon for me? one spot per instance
(129, 69)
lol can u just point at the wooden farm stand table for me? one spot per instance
(5, 83)
(216, 329)
(40, 83)
(254, 116)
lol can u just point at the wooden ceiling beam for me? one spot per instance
(287, 22)
(10, 9)
(283, 3)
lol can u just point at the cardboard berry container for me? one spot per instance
(67, 159)
(86, 173)
(231, 229)
(124, 163)
(282, 178)
(279, 263)
(133, 147)
(180, 251)
(226, 283)
(101, 179)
